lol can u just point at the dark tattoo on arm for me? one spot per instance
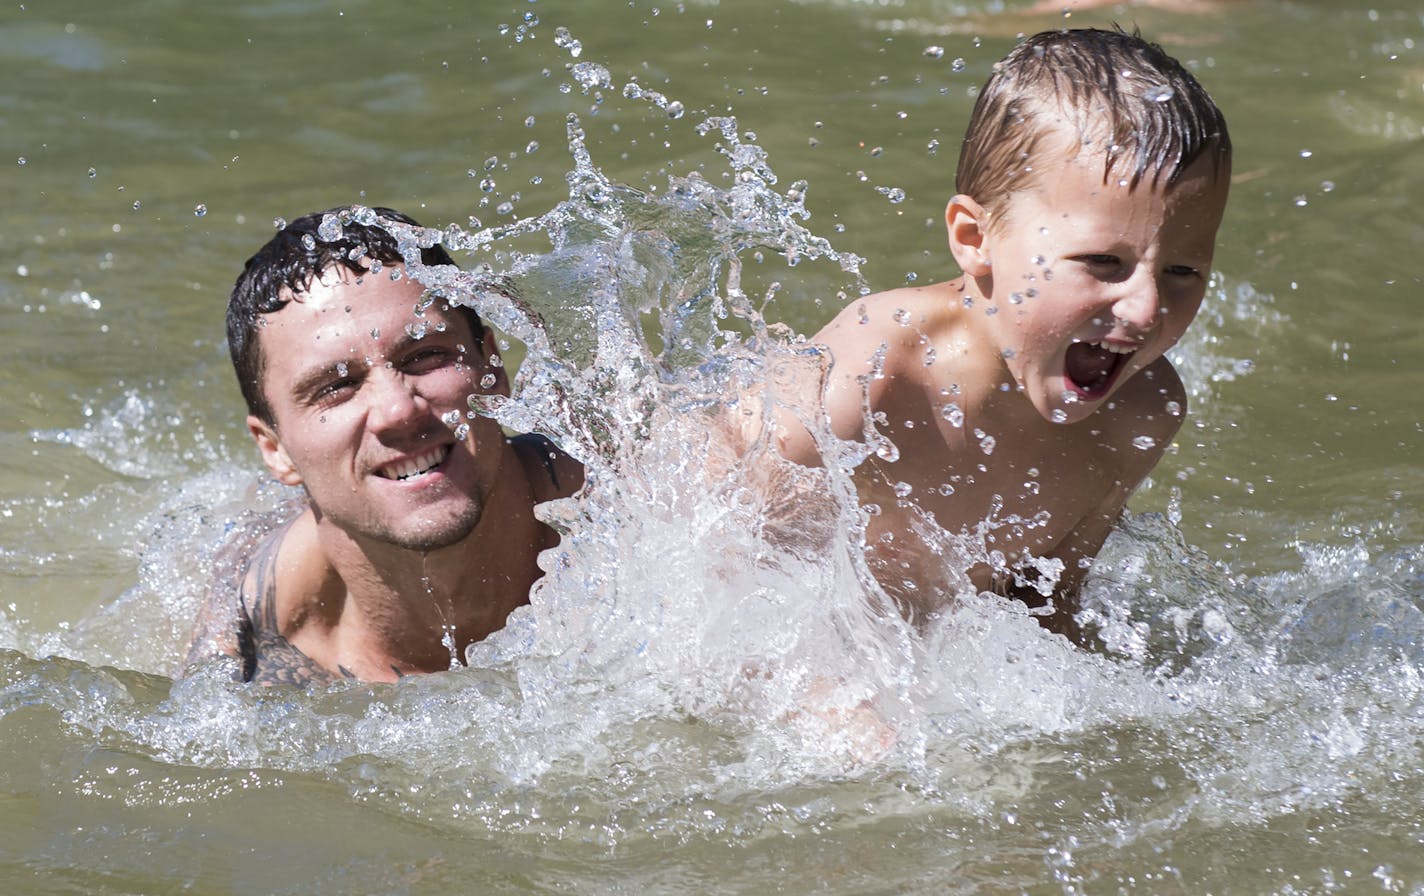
(268, 658)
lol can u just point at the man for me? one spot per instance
(418, 535)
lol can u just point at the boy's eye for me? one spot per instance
(1181, 270)
(1099, 260)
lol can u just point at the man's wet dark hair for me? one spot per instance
(296, 255)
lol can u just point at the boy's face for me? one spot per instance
(1094, 281)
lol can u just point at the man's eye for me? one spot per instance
(336, 388)
(1099, 260)
(429, 359)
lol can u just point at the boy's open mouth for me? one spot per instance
(1091, 366)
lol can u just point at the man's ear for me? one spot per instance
(968, 225)
(273, 454)
(489, 348)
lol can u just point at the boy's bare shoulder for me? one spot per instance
(896, 310)
(1146, 412)
(893, 324)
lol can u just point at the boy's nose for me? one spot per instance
(1140, 306)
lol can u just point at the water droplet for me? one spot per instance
(487, 185)
(953, 414)
(894, 194)
(675, 109)
(958, 65)
(1059, 415)
(564, 39)
(23, 161)
(986, 441)
(199, 210)
(488, 380)
(903, 489)
(137, 205)
(1174, 408)
(1158, 93)
(93, 173)
(934, 52)
(330, 228)
(1144, 442)
(451, 418)
(1016, 298)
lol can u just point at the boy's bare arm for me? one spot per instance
(867, 347)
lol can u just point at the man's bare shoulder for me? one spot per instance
(552, 473)
(242, 616)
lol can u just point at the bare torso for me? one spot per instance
(970, 455)
(265, 583)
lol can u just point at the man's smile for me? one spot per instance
(415, 466)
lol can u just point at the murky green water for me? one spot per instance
(147, 147)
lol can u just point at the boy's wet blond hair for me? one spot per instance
(1109, 93)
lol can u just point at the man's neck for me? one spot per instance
(391, 611)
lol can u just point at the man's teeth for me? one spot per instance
(417, 465)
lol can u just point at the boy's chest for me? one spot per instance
(1023, 494)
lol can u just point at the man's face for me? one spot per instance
(360, 386)
(1094, 281)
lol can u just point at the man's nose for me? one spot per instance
(395, 403)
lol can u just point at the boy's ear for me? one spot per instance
(273, 454)
(968, 224)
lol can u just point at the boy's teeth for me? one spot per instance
(415, 466)
(1117, 349)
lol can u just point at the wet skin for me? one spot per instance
(1033, 391)
(417, 539)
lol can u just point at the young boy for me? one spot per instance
(1026, 400)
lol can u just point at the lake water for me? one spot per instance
(1254, 723)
